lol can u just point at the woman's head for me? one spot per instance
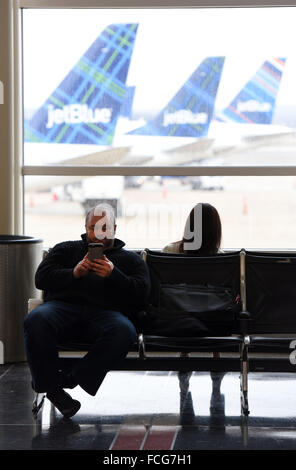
(209, 237)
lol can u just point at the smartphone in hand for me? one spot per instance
(95, 251)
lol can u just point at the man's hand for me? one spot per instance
(102, 267)
(81, 269)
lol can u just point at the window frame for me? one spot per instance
(22, 170)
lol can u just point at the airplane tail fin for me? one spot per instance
(190, 111)
(127, 107)
(255, 103)
(85, 107)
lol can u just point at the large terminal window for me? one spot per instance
(137, 90)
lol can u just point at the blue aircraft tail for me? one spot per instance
(85, 107)
(255, 103)
(190, 111)
(127, 107)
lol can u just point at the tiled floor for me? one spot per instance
(137, 410)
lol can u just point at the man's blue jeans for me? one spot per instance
(111, 334)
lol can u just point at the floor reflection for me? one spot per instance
(153, 411)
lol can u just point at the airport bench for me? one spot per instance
(182, 350)
(271, 302)
(257, 337)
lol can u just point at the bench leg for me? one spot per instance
(244, 376)
(37, 404)
(184, 378)
(187, 415)
(217, 403)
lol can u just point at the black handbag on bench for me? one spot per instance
(192, 295)
(192, 310)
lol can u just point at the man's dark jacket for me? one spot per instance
(126, 289)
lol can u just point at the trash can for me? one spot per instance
(19, 258)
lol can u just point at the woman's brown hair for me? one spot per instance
(211, 231)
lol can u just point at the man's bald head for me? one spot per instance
(100, 225)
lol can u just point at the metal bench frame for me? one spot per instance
(241, 353)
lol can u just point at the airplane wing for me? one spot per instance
(108, 157)
(268, 139)
(173, 156)
(248, 143)
(140, 160)
(112, 156)
(201, 145)
(261, 155)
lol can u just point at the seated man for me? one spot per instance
(97, 298)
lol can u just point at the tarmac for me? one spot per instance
(256, 213)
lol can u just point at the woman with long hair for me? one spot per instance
(202, 237)
(202, 232)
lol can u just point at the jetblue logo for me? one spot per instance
(1, 93)
(77, 114)
(253, 106)
(184, 116)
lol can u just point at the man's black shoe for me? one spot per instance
(64, 402)
(67, 380)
